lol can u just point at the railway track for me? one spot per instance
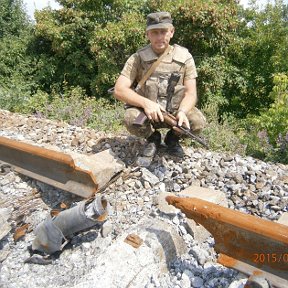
(244, 242)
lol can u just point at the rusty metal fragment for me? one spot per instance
(259, 243)
(134, 240)
(76, 173)
(20, 232)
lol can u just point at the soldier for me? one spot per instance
(152, 95)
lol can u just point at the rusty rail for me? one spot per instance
(79, 174)
(247, 243)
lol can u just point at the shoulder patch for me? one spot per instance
(181, 54)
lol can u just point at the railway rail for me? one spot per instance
(76, 173)
(249, 244)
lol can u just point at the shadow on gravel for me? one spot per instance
(128, 148)
(86, 236)
(125, 148)
(166, 241)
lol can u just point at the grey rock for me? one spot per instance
(283, 219)
(106, 229)
(144, 161)
(200, 254)
(163, 206)
(238, 283)
(185, 281)
(257, 282)
(176, 187)
(176, 221)
(197, 282)
(149, 177)
(4, 225)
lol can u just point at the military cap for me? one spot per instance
(159, 20)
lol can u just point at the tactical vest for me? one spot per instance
(156, 85)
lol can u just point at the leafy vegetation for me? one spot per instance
(75, 107)
(13, 18)
(16, 65)
(267, 135)
(61, 66)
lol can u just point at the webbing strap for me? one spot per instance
(152, 68)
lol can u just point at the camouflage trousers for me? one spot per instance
(196, 119)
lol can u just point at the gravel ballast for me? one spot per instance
(250, 186)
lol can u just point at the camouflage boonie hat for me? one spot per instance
(159, 20)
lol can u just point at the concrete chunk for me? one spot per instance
(161, 245)
(149, 177)
(4, 225)
(283, 219)
(102, 165)
(198, 232)
(164, 206)
(207, 194)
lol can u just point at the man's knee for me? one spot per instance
(143, 131)
(196, 119)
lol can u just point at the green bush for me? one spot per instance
(13, 19)
(14, 95)
(258, 53)
(221, 135)
(267, 135)
(107, 116)
(112, 45)
(16, 70)
(74, 107)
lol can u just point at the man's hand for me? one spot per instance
(153, 110)
(182, 119)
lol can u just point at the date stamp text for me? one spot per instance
(269, 258)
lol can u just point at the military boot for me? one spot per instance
(153, 142)
(173, 146)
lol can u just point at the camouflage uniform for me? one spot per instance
(177, 60)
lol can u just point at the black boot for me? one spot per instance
(153, 142)
(155, 138)
(173, 146)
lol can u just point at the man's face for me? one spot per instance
(160, 39)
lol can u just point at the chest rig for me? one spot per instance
(155, 87)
